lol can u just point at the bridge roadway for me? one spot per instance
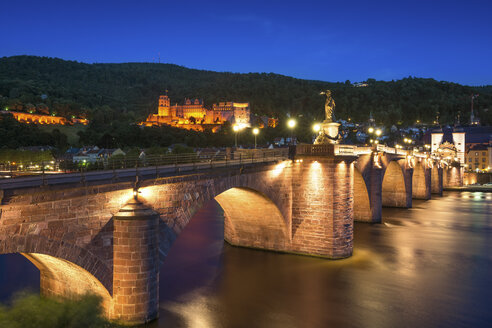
(86, 232)
(129, 174)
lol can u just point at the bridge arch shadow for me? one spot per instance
(394, 190)
(362, 204)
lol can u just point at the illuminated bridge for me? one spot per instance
(89, 233)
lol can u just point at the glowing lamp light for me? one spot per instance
(235, 128)
(370, 130)
(291, 123)
(256, 131)
(378, 132)
(135, 193)
(376, 142)
(316, 127)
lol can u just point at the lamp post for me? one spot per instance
(236, 130)
(291, 124)
(408, 141)
(376, 132)
(255, 132)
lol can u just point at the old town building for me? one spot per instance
(479, 157)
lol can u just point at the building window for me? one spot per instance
(483, 166)
(483, 159)
(469, 159)
(476, 153)
(483, 153)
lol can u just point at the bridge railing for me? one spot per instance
(120, 163)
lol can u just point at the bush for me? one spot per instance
(33, 311)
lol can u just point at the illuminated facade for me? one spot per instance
(45, 119)
(449, 143)
(193, 115)
(478, 158)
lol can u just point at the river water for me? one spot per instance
(429, 266)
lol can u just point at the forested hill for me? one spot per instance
(131, 90)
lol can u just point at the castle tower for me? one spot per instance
(164, 106)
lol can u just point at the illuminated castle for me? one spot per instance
(193, 115)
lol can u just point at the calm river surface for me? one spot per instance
(429, 266)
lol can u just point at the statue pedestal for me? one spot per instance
(331, 129)
(328, 133)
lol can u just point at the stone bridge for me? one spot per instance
(110, 235)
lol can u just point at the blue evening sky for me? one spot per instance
(323, 40)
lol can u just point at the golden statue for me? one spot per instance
(329, 106)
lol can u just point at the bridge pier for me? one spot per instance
(136, 265)
(436, 180)
(322, 203)
(421, 180)
(452, 176)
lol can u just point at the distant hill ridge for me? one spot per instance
(69, 87)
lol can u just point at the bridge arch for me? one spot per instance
(252, 219)
(257, 207)
(63, 253)
(394, 188)
(60, 278)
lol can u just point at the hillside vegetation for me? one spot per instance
(128, 92)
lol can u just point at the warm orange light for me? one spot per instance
(279, 168)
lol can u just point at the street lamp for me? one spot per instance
(255, 132)
(370, 130)
(291, 123)
(316, 127)
(236, 130)
(378, 132)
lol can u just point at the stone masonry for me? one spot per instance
(96, 238)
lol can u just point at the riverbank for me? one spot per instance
(475, 188)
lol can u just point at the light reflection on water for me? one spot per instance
(430, 266)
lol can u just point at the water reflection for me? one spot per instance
(429, 266)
